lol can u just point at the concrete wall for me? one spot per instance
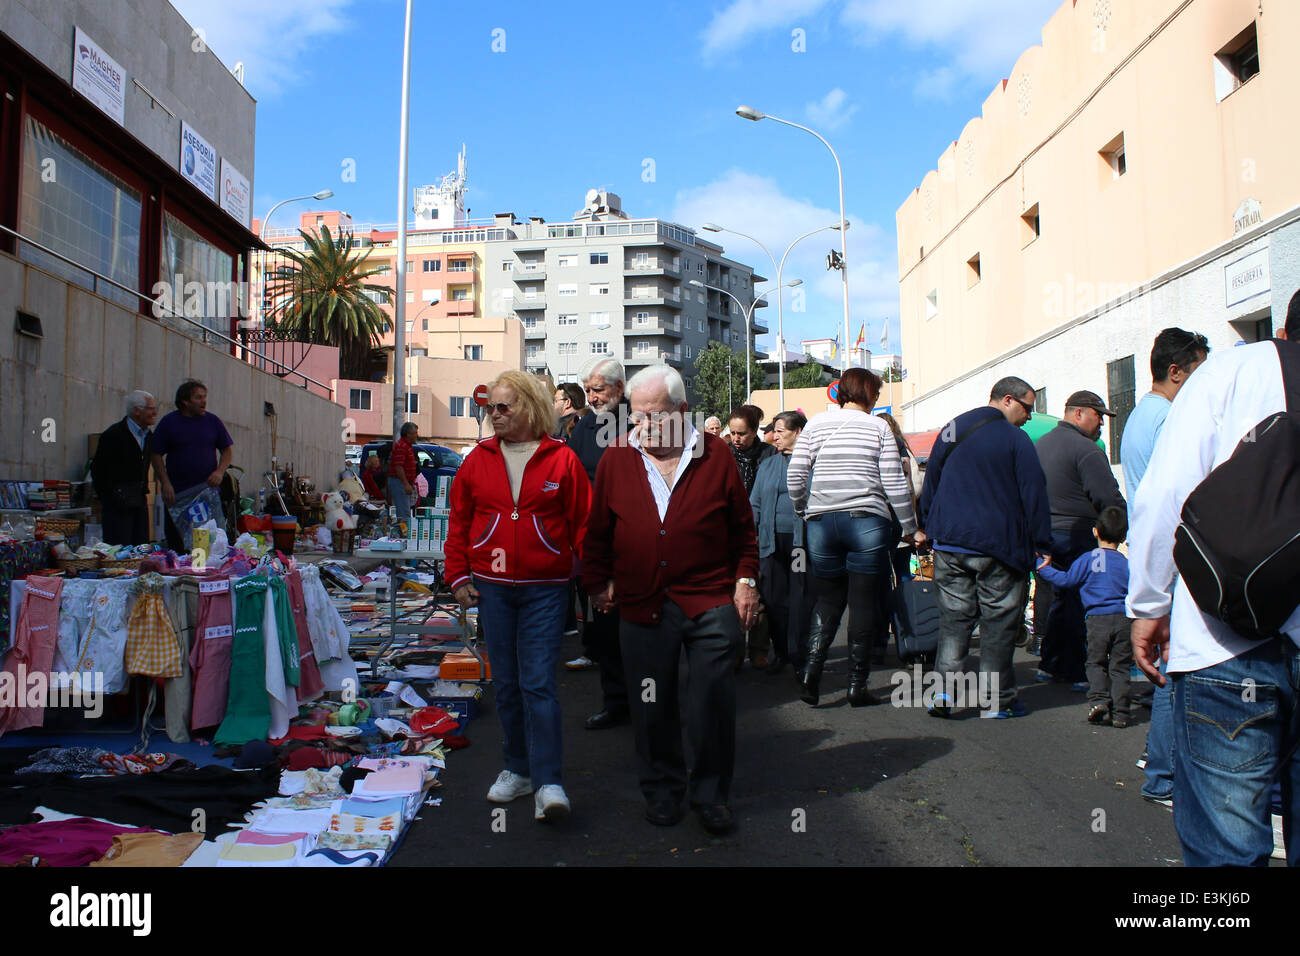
(94, 352)
(154, 44)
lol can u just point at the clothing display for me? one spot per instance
(75, 842)
(33, 652)
(248, 711)
(150, 849)
(210, 653)
(310, 684)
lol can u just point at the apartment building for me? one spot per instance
(642, 290)
(1134, 172)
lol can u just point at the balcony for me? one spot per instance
(651, 357)
(528, 273)
(652, 327)
(536, 332)
(652, 267)
(531, 303)
(647, 302)
(460, 307)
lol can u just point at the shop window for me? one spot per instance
(195, 259)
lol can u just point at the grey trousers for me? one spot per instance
(651, 658)
(1110, 657)
(976, 588)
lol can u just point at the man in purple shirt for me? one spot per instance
(191, 440)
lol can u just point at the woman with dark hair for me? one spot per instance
(782, 581)
(846, 479)
(749, 451)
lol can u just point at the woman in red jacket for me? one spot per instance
(518, 512)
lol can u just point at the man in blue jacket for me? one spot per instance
(984, 509)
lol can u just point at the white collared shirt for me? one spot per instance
(658, 487)
(137, 431)
(1221, 402)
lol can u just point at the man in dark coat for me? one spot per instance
(120, 472)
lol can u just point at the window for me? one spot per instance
(474, 353)
(1029, 225)
(1122, 394)
(1040, 401)
(410, 296)
(567, 290)
(186, 252)
(643, 318)
(410, 265)
(424, 325)
(568, 262)
(359, 399)
(973, 271)
(432, 265)
(320, 221)
(643, 346)
(460, 295)
(599, 318)
(507, 266)
(457, 405)
(642, 259)
(699, 267)
(1114, 163)
(932, 304)
(568, 348)
(598, 288)
(599, 258)
(599, 348)
(385, 270)
(458, 265)
(567, 318)
(700, 322)
(689, 353)
(530, 323)
(532, 351)
(1236, 63)
(412, 403)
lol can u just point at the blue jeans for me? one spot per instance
(398, 499)
(839, 543)
(524, 628)
(1236, 727)
(1160, 743)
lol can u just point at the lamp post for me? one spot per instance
(749, 113)
(780, 323)
(748, 313)
(261, 234)
(399, 305)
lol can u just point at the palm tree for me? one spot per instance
(324, 300)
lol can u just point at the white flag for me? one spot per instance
(884, 336)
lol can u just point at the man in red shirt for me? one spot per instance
(671, 546)
(401, 472)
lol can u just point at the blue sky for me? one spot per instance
(583, 94)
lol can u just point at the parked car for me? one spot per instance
(432, 460)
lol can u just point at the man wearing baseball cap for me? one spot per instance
(1080, 484)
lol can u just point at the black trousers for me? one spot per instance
(1060, 612)
(600, 641)
(651, 657)
(125, 526)
(785, 595)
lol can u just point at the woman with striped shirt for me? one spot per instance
(846, 480)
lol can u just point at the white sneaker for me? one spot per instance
(580, 664)
(509, 786)
(551, 803)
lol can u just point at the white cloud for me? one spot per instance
(982, 40)
(831, 111)
(272, 39)
(739, 22)
(756, 205)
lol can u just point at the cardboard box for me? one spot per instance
(461, 665)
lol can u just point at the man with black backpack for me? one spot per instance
(1220, 503)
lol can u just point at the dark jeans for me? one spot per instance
(975, 587)
(1110, 657)
(1064, 634)
(651, 656)
(122, 526)
(1236, 733)
(600, 642)
(785, 595)
(524, 628)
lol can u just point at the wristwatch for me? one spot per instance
(750, 581)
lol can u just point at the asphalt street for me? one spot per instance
(824, 786)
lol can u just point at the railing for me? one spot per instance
(646, 356)
(98, 278)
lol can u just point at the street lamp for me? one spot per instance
(748, 313)
(749, 113)
(780, 321)
(261, 234)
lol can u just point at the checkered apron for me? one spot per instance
(152, 647)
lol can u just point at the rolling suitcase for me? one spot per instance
(916, 626)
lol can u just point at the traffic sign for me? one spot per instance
(833, 391)
(480, 395)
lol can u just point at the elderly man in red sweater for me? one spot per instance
(671, 545)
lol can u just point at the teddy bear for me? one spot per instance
(336, 519)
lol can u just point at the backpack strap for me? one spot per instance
(1288, 353)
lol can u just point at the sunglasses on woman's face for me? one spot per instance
(499, 408)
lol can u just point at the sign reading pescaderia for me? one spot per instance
(198, 161)
(234, 193)
(97, 76)
(1246, 277)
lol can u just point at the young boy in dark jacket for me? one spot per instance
(1101, 577)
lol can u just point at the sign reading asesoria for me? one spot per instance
(97, 76)
(198, 161)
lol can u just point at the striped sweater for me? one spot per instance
(858, 468)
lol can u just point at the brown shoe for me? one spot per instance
(760, 663)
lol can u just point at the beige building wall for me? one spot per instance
(1143, 70)
(57, 391)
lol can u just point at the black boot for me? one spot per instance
(832, 595)
(864, 627)
(860, 662)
